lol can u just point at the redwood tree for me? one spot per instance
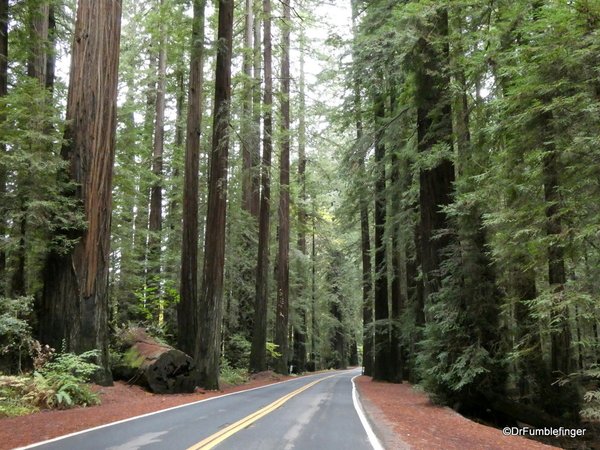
(209, 341)
(3, 92)
(155, 219)
(187, 309)
(74, 299)
(283, 254)
(258, 352)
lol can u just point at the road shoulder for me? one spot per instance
(404, 418)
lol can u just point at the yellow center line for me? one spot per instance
(227, 432)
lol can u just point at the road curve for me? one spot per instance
(308, 413)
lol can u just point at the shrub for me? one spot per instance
(15, 396)
(237, 349)
(59, 383)
(15, 333)
(65, 376)
(230, 375)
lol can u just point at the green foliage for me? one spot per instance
(16, 396)
(60, 383)
(16, 339)
(230, 375)
(457, 358)
(65, 377)
(237, 349)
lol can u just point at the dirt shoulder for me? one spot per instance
(119, 402)
(405, 418)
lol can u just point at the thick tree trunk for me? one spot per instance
(283, 254)
(382, 362)
(434, 123)
(159, 367)
(75, 301)
(210, 308)
(250, 136)
(156, 191)
(187, 308)
(258, 353)
(39, 14)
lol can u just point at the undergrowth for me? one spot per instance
(232, 376)
(60, 383)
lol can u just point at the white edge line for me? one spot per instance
(375, 443)
(118, 422)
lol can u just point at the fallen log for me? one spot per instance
(156, 366)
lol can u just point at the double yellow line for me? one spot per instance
(227, 432)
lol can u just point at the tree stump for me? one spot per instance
(156, 366)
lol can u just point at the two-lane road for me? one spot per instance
(307, 413)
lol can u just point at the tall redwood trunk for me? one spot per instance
(300, 329)
(397, 297)
(434, 127)
(3, 92)
(187, 308)
(250, 189)
(258, 352)
(365, 239)
(156, 192)
(210, 310)
(75, 301)
(382, 362)
(283, 254)
(250, 142)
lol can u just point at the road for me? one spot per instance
(315, 412)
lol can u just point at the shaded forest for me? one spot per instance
(289, 186)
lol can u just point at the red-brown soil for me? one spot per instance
(406, 418)
(119, 402)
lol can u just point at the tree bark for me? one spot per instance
(250, 141)
(398, 301)
(74, 299)
(210, 308)
(300, 330)
(258, 353)
(283, 254)
(250, 137)
(382, 362)
(187, 309)
(159, 367)
(434, 123)
(156, 191)
(365, 240)
(3, 92)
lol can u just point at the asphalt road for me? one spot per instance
(316, 412)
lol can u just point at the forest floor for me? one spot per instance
(405, 418)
